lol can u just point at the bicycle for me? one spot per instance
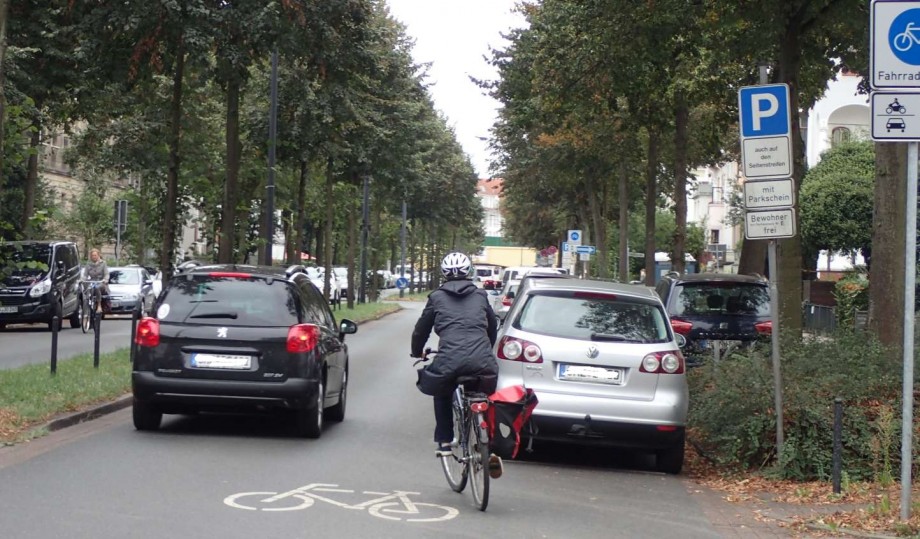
(469, 458)
(906, 39)
(89, 299)
(394, 505)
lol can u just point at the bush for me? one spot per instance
(733, 420)
(851, 294)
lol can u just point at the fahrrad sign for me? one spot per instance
(894, 61)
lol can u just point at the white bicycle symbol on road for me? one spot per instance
(906, 39)
(394, 505)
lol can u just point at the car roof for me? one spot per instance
(637, 291)
(719, 277)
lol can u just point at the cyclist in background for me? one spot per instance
(466, 327)
(97, 270)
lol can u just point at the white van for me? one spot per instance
(486, 272)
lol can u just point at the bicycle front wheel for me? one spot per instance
(456, 468)
(86, 316)
(479, 465)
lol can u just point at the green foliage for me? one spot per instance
(851, 294)
(733, 420)
(91, 218)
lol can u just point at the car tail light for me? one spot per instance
(506, 301)
(764, 328)
(670, 362)
(679, 326)
(230, 274)
(148, 332)
(594, 295)
(302, 338)
(519, 350)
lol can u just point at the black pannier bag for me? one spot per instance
(509, 411)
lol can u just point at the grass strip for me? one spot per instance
(30, 395)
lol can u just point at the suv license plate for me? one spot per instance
(220, 361)
(9, 309)
(585, 373)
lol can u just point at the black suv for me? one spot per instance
(38, 280)
(706, 307)
(234, 338)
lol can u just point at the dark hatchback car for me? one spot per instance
(232, 338)
(707, 307)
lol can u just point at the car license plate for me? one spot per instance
(586, 373)
(9, 309)
(220, 361)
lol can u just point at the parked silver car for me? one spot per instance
(604, 363)
(126, 285)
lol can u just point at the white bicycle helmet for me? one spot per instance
(456, 266)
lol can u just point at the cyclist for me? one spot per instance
(97, 270)
(466, 327)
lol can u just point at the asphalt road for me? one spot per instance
(103, 479)
(24, 344)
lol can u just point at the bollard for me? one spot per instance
(55, 327)
(97, 322)
(838, 443)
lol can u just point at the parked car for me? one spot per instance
(315, 275)
(386, 279)
(501, 302)
(157, 276)
(126, 285)
(341, 276)
(40, 280)
(487, 276)
(604, 364)
(241, 338)
(707, 307)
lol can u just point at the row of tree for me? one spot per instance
(609, 104)
(174, 96)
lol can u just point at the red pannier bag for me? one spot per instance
(509, 411)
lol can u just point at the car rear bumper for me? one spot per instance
(590, 431)
(293, 393)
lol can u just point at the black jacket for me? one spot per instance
(461, 316)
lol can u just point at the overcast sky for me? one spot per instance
(455, 35)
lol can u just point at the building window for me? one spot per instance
(714, 235)
(840, 135)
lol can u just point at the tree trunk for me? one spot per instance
(327, 229)
(681, 118)
(4, 4)
(142, 211)
(886, 293)
(597, 202)
(353, 278)
(624, 223)
(320, 252)
(31, 180)
(789, 251)
(651, 197)
(231, 187)
(299, 219)
(168, 249)
(287, 223)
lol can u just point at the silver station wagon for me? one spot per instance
(604, 363)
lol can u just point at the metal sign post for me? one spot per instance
(893, 63)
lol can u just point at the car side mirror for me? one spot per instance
(346, 326)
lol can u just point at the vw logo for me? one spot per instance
(592, 352)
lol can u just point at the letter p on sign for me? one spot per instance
(764, 110)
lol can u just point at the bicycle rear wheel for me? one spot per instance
(456, 468)
(479, 464)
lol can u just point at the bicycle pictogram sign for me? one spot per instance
(395, 505)
(904, 36)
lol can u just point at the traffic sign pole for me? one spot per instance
(907, 402)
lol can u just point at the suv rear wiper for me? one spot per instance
(230, 315)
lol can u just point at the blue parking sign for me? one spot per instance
(764, 110)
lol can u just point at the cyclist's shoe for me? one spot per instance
(495, 466)
(444, 450)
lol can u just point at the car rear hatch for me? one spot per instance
(721, 310)
(589, 344)
(226, 327)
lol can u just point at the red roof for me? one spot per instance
(489, 186)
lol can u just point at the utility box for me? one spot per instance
(663, 265)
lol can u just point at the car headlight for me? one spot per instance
(40, 289)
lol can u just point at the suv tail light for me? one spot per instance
(679, 326)
(764, 329)
(302, 338)
(670, 362)
(148, 332)
(513, 349)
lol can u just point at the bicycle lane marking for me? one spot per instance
(395, 505)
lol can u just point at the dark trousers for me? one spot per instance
(444, 419)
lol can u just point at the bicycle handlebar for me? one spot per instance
(425, 354)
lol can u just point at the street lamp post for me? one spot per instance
(270, 186)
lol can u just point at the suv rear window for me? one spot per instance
(720, 298)
(229, 301)
(592, 316)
